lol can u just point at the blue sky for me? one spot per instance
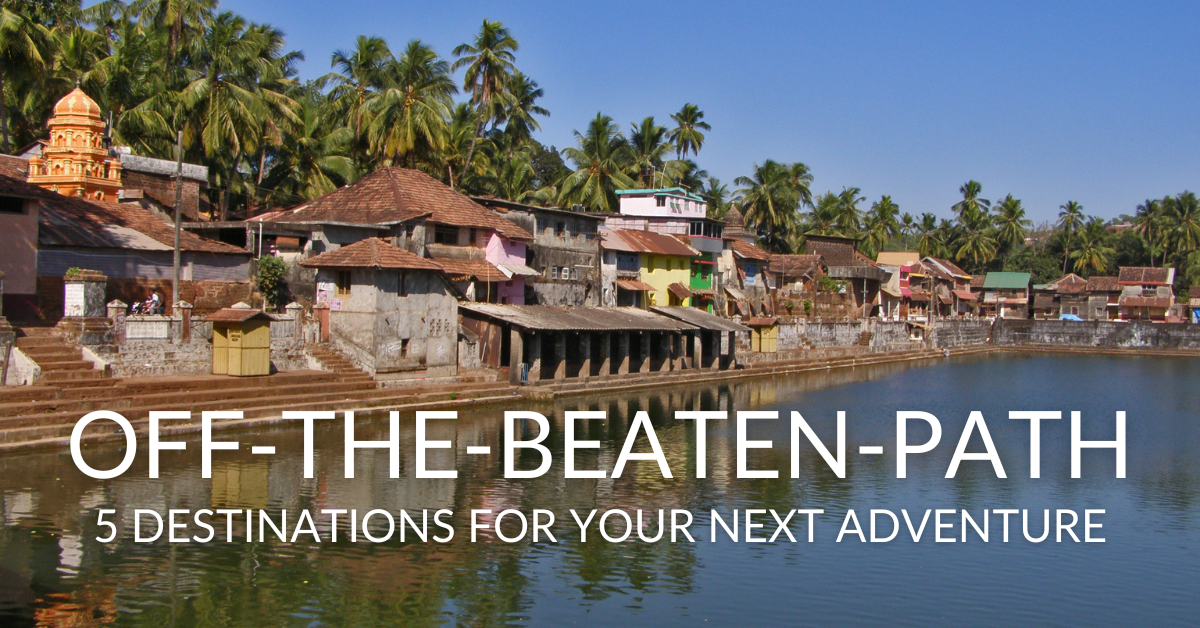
(1053, 101)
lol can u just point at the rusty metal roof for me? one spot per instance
(545, 318)
(634, 285)
(236, 315)
(700, 318)
(644, 242)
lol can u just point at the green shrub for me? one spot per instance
(271, 272)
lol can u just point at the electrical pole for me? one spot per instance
(178, 206)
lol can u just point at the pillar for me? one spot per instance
(605, 354)
(644, 347)
(698, 349)
(732, 348)
(516, 354)
(560, 356)
(296, 312)
(185, 320)
(535, 356)
(623, 354)
(585, 346)
(664, 347)
(678, 355)
(715, 350)
(321, 312)
(117, 309)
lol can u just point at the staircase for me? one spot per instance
(864, 339)
(62, 363)
(333, 361)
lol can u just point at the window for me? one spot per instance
(561, 229)
(660, 201)
(343, 283)
(554, 272)
(473, 235)
(696, 228)
(404, 347)
(445, 235)
(12, 205)
(574, 274)
(650, 265)
(402, 285)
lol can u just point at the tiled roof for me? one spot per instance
(235, 315)
(795, 266)
(977, 281)
(395, 195)
(1163, 302)
(1043, 301)
(370, 253)
(1194, 292)
(1102, 284)
(71, 221)
(1069, 283)
(949, 267)
(13, 166)
(762, 321)
(1142, 276)
(746, 250)
(467, 269)
(645, 242)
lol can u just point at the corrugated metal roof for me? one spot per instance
(636, 286)
(644, 242)
(1143, 276)
(700, 318)
(545, 318)
(680, 290)
(1006, 281)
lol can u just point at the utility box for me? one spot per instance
(241, 341)
(764, 334)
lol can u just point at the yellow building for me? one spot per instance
(75, 161)
(663, 272)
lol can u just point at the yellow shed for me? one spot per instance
(241, 341)
(764, 334)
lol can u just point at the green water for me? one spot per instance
(53, 571)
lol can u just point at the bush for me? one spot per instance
(808, 306)
(271, 271)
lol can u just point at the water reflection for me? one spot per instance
(53, 572)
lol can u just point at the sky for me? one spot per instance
(1097, 102)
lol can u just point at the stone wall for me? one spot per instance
(205, 296)
(961, 333)
(1135, 334)
(800, 333)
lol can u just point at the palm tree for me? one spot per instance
(357, 75)
(647, 149)
(1069, 220)
(823, 215)
(1011, 224)
(520, 106)
(971, 203)
(976, 241)
(409, 115)
(24, 45)
(183, 20)
(1091, 254)
(489, 61)
(908, 225)
(225, 106)
(1150, 222)
(930, 242)
(771, 200)
(686, 135)
(849, 217)
(312, 161)
(1184, 213)
(598, 174)
(881, 225)
(716, 197)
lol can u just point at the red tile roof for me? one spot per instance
(13, 166)
(1143, 276)
(1102, 284)
(1163, 302)
(950, 267)
(1069, 283)
(371, 253)
(394, 195)
(466, 269)
(837, 251)
(746, 250)
(235, 315)
(646, 242)
(71, 221)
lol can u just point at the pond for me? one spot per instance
(53, 571)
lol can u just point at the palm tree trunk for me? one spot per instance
(3, 111)
(471, 150)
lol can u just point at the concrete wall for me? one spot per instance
(961, 333)
(382, 332)
(147, 357)
(1136, 334)
(661, 271)
(676, 205)
(18, 256)
(205, 296)
(800, 333)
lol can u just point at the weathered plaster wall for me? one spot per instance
(1136, 334)
(961, 333)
